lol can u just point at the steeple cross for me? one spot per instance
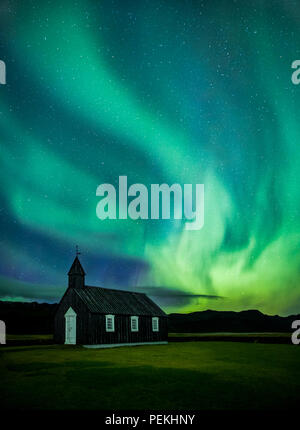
(77, 252)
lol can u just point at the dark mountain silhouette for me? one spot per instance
(37, 318)
(27, 318)
(227, 321)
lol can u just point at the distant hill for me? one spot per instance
(37, 318)
(226, 321)
(27, 318)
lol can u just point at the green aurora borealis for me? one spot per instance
(163, 92)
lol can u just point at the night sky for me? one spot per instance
(162, 92)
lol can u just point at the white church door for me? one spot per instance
(70, 319)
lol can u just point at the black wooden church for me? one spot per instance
(100, 317)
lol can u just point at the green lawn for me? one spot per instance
(188, 375)
(28, 337)
(241, 334)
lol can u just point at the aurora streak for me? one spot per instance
(163, 92)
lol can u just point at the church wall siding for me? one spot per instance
(90, 327)
(123, 333)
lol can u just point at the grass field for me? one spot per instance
(217, 334)
(189, 375)
(29, 337)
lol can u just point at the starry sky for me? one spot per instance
(162, 92)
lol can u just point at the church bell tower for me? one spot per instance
(76, 273)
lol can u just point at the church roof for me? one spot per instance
(117, 302)
(76, 268)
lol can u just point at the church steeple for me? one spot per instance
(76, 273)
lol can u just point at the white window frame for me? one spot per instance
(112, 318)
(155, 324)
(136, 319)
